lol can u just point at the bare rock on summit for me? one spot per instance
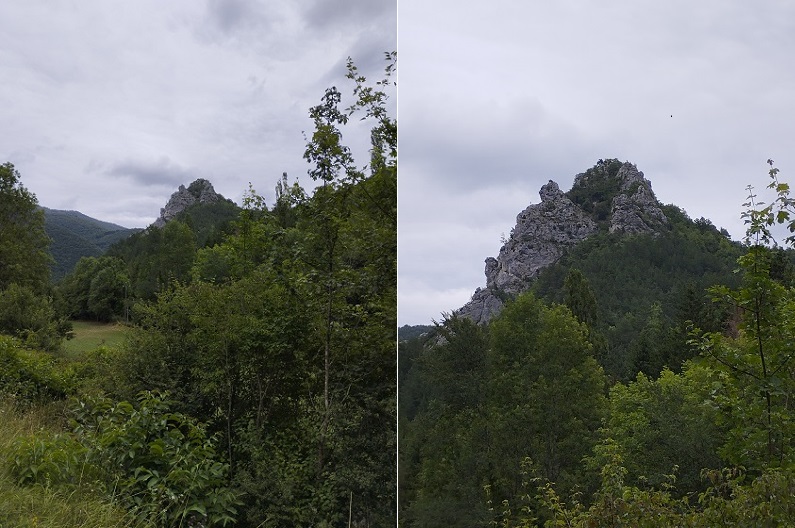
(636, 209)
(542, 233)
(200, 191)
(612, 196)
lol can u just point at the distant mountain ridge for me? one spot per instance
(75, 235)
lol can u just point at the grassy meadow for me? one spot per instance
(41, 505)
(90, 335)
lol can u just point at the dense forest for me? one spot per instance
(74, 235)
(642, 380)
(256, 385)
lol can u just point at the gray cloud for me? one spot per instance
(334, 15)
(494, 102)
(162, 172)
(108, 105)
(230, 15)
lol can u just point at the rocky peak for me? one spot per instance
(636, 209)
(550, 192)
(200, 191)
(611, 196)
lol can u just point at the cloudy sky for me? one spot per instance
(498, 98)
(107, 106)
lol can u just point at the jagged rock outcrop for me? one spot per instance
(545, 231)
(541, 235)
(636, 209)
(200, 191)
(483, 305)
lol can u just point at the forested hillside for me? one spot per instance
(639, 293)
(256, 385)
(642, 380)
(75, 235)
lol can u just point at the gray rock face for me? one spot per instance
(483, 305)
(545, 231)
(541, 235)
(635, 210)
(200, 191)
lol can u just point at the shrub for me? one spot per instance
(160, 465)
(30, 376)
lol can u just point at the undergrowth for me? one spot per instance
(41, 506)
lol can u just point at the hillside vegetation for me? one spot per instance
(255, 383)
(643, 380)
(645, 289)
(75, 235)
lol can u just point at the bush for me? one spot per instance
(30, 317)
(160, 465)
(54, 460)
(31, 376)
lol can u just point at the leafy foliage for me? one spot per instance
(709, 443)
(410, 332)
(156, 257)
(98, 288)
(755, 369)
(284, 333)
(24, 259)
(161, 465)
(663, 427)
(29, 376)
(595, 189)
(31, 317)
(491, 398)
(276, 327)
(36, 506)
(646, 289)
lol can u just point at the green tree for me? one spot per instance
(490, 398)
(97, 288)
(31, 317)
(731, 407)
(580, 298)
(442, 445)
(156, 257)
(650, 348)
(285, 334)
(756, 383)
(542, 369)
(665, 426)
(24, 257)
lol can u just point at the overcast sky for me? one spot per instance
(497, 98)
(107, 106)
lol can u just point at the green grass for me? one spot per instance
(40, 506)
(56, 506)
(91, 335)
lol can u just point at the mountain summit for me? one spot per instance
(611, 196)
(199, 192)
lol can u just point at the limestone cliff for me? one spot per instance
(200, 191)
(611, 196)
(635, 210)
